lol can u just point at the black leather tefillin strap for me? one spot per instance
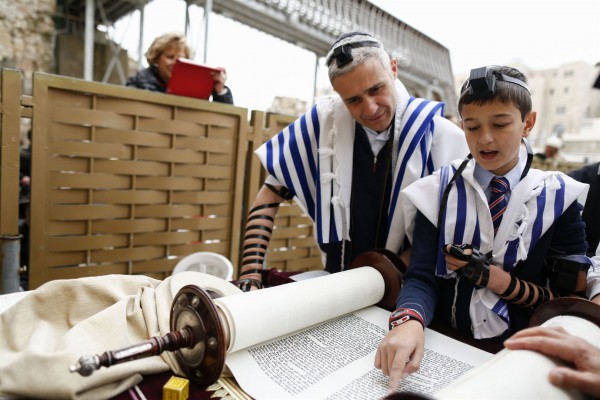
(255, 250)
(544, 294)
(477, 269)
(281, 192)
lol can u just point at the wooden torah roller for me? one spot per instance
(204, 329)
(197, 337)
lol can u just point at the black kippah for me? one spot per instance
(342, 54)
(347, 35)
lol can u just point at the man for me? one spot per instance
(551, 149)
(346, 160)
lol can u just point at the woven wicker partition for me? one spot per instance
(126, 181)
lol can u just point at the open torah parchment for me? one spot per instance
(316, 339)
(334, 360)
(323, 347)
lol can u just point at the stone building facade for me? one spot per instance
(37, 36)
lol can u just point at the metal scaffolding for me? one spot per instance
(424, 64)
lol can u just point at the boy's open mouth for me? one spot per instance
(488, 154)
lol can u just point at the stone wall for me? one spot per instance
(69, 58)
(27, 35)
(31, 41)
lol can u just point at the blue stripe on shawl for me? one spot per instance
(559, 198)
(476, 234)
(461, 212)
(538, 224)
(269, 157)
(333, 235)
(430, 167)
(307, 145)
(423, 148)
(284, 169)
(304, 190)
(423, 129)
(440, 268)
(510, 257)
(419, 137)
(299, 168)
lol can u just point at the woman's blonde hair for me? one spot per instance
(162, 42)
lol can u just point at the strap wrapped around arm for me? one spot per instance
(281, 191)
(259, 227)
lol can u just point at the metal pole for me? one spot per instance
(207, 11)
(9, 254)
(141, 38)
(88, 55)
(315, 79)
(187, 18)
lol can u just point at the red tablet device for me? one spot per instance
(191, 79)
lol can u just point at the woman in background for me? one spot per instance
(161, 56)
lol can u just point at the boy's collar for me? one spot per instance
(484, 177)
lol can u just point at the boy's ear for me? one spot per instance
(529, 123)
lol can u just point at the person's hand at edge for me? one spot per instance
(583, 375)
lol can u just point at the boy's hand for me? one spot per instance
(457, 256)
(473, 265)
(400, 352)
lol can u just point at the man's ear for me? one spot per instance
(529, 123)
(394, 65)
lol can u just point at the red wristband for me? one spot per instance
(401, 315)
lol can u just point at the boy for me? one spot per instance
(534, 220)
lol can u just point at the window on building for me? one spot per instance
(561, 110)
(566, 89)
(551, 92)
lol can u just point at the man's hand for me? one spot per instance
(249, 280)
(557, 342)
(400, 352)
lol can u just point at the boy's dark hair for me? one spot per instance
(505, 92)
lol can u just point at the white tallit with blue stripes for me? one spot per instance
(535, 203)
(312, 157)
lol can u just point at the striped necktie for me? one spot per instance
(498, 200)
